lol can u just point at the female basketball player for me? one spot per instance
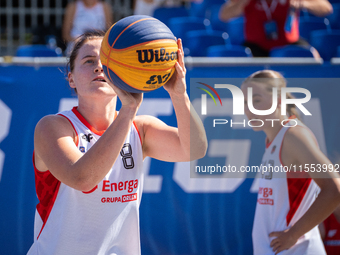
(288, 209)
(88, 161)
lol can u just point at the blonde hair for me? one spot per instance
(272, 79)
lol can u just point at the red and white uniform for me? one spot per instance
(281, 202)
(104, 220)
(332, 235)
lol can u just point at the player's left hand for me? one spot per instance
(283, 241)
(177, 84)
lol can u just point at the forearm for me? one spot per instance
(319, 8)
(68, 38)
(66, 33)
(93, 166)
(68, 22)
(323, 206)
(231, 10)
(191, 131)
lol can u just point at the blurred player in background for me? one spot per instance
(273, 23)
(85, 15)
(288, 209)
(88, 161)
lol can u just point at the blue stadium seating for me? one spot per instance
(201, 9)
(164, 14)
(36, 50)
(235, 30)
(291, 51)
(234, 27)
(338, 52)
(181, 25)
(228, 51)
(334, 18)
(198, 41)
(309, 24)
(325, 42)
(215, 22)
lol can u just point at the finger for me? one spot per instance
(273, 242)
(179, 44)
(276, 247)
(274, 234)
(179, 70)
(122, 94)
(280, 249)
(180, 47)
(138, 95)
(181, 59)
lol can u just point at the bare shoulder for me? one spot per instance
(299, 145)
(149, 124)
(50, 129)
(139, 120)
(145, 121)
(47, 133)
(53, 123)
(300, 136)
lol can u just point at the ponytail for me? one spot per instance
(291, 108)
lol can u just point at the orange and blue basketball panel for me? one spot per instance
(141, 68)
(139, 53)
(134, 82)
(137, 29)
(151, 55)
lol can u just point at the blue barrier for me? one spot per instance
(173, 219)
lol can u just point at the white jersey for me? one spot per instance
(282, 201)
(86, 19)
(102, 221)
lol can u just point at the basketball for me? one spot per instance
(138, 53)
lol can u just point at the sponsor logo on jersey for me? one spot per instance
(87, 137)
(266, 193)
(129, 197)
(108, 186)
(266, 201)
(122, 199)
(82, 149)
(120, 186)
(273, 149)
(129, 186)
